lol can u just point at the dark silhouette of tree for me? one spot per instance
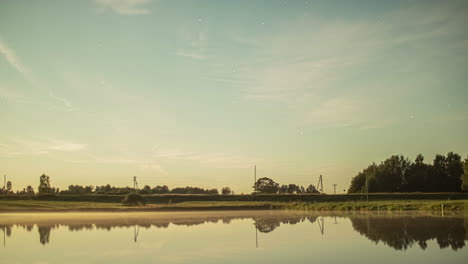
(134, 199)
(465, 175)
(30, 190)
(44, 234)
(160, 189)
(226, 191)
(194, 190)
(402, 233)
(9, 188)
(146, 190)
(78, 189)
(283, 188)
(399, 174)
(454, 171)
(44, 185)
(311, 189)
(266, 185)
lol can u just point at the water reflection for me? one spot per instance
(399, 232)
(402, 233)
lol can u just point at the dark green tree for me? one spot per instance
(266, 185)
(44, 185)
(311, 189)
(9, 188)
(465, 175)
(226, 191)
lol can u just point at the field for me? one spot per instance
(399, 205)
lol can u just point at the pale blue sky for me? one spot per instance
(197, 92)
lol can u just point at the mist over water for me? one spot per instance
(233, 237)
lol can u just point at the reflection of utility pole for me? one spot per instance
(334, 188)
(321, 224)
(136, 230)
(256, 237)
(335, 221)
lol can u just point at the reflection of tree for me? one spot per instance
(402, 233)
(267, 224)
(44, 234)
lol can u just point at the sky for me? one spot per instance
(195, 93)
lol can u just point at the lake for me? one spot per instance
(234, 237)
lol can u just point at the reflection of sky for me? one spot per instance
(216, 243)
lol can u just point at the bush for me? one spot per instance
(134, 199)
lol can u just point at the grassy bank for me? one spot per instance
(179, 198)
(398, 205)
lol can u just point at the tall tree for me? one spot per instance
(44, 184)
(226, 191)
(266, 185)
(454, 171)
(9, 187)
(465, 175)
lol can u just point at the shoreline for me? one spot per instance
(32, 206)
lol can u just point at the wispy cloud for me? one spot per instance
(126, 7)
(22, 146)
(191, 54)
(63, 100)
(335, 112)
(308, 70)
(214, 160)
(11, 57)
(192, 44)
(142, 163)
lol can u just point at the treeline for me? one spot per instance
(46, 188)
(447, 173)
(267, 185)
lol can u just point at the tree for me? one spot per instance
(9, 187)
(399, 174)
(160, 189)
(283, 189)
(44, 185)
(30, 190)
(146, 190)
(465, 175)
(266, 185)
(226, 191)
(418, 176)
(311, 189)
(134, 199)
(454, 171)
(293, 188)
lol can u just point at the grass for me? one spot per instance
(397, 205)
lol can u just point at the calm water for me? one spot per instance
(233, 237)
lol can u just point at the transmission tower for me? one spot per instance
(320, 184)
(135, 183)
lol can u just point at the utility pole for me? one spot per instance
(135, 183)
(255, 178)
(320, 184)
(367, 188)
(255, 173)
(334, 188)
(4, 181)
